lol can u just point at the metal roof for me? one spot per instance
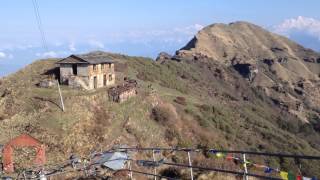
(82, 59)
(114, 160)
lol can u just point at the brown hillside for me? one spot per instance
(286, 71)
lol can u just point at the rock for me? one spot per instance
(269, 62)
(47, 83)
(163, 56)
(248, 71)
(6, 92)
(279, 88)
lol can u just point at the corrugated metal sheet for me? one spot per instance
(114, 160)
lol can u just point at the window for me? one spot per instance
(102, 66)
(95, 82)
(104, 80)
(94, 67)
(110, 77)
(109, 66)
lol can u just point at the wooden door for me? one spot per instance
(95, 82)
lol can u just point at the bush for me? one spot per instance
(163, 114)
(180, 100)
(171, 172)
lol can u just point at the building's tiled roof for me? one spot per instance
(75, 59)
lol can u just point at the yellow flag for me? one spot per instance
(284, 175)
(219, 155)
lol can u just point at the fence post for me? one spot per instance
(190, 164)
(61, 99)
(245, 167)
(155, 168)
(130, 174)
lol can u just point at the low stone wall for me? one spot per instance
(79, 82)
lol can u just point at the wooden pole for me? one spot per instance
(245, 167)
(190, 164)
(130, 168)
(61, 99)
(155, 168)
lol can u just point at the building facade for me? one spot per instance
(86, 72)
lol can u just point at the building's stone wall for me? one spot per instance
(127, 94)
(99, 71)
(65, 72)
(80, 82)
(82, 70)
(87, 73)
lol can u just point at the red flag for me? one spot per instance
(229, 157)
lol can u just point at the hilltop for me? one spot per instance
(286, 71)
(199, 98)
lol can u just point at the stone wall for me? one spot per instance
(107, 69)
(80, 82)
(127, 94)
(82, 70)
(65, 73)
(87, 74)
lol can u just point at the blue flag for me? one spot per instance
(268, 170)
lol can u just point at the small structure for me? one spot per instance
(47, 83)
(22, 141)
(123, 92)
(86, 72)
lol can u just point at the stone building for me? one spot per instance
(123, 92)
(86, 72)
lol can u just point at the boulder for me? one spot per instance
(163, 56)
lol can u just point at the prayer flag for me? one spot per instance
(229, 157)
(268, 170)
(306, 178)
(212, 151)
(291, 176)
(219, 155)
(284, 175)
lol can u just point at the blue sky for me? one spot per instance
(141, 27)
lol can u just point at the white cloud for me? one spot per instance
(72, 47)
(189, 30)
(301, 24)
(170, 35)
(5, 56)
(49, 54)
(2, 55)
(95, 43)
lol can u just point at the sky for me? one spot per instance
(138, 27)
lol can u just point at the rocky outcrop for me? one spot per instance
(163, 56)
(267, 60)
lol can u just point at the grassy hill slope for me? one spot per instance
(187, 104)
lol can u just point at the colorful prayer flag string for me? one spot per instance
(283, 174)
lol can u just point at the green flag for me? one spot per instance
(291, 176)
